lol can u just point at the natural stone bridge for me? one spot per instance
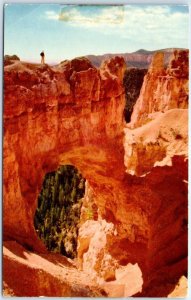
(73, 114)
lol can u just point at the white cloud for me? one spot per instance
(109, 16)
(151, 23)
(51, 15)
(154, 24)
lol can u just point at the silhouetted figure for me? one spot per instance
(42, 57)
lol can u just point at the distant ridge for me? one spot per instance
(138, 59)
(143, 51)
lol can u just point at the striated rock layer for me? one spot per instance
(133, 234)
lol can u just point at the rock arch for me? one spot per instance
(73, 114)
(55, 115)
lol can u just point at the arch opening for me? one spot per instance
(57, 216)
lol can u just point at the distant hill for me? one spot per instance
(9, 59)
(138, 59)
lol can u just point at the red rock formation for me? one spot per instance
(162, 89)
(73, 114)
(47, 113)
(149, 215)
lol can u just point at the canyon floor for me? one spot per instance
(54, 274)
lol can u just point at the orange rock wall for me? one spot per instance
(163, 88)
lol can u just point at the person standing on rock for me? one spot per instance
(42, 57)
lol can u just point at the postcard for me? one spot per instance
(95, 150)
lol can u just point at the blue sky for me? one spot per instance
(68, 31)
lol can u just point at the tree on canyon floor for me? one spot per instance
(133, 80)
(58, 213)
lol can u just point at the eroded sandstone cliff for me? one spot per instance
(163, 88)
(133, 234)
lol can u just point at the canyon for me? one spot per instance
(136, 175)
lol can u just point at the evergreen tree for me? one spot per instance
(58, 212)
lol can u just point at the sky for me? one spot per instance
(68, 31)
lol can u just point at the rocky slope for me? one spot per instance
(43, 275)
(157, 142)
(133, 233)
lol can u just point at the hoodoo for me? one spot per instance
(136, 178)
